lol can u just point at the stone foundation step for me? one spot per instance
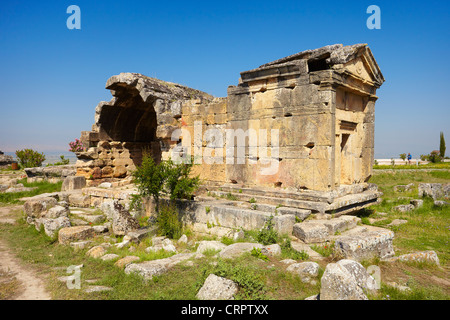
(366, 244)
(215, 214)
(317, 231)
(269, 208)
(89, 215)
(342, 205)
(309, 195)
(277, 201)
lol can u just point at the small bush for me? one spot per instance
(165, 177)
(61, 162)
(28, 158)
(287, 252)
(267, 235)
(168, 222)
(325, 250)
(251, 284)
(256, 252)
(227, 241)
(231, 197)
(76, 146)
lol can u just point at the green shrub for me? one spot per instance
(251, 285)
(324, 250)
(267, 235)
(28, 158)
(165, 177)
(168, 223)
(178, 181)
(287, 252)
(256, 252)
(61, 162)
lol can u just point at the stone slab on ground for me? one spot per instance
(122, 263)
(217, 288)
(345, 280)
(236, 249)
(422, 256)
(365, 245)
(307, 271)
(310, 231)
(73, 234)
(73, 183)
(148, 269)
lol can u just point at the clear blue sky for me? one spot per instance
(53, 77)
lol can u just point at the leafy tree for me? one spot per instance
(442, 146)
(165, 178)
(403, 156)
(179, 184)
(28, 158)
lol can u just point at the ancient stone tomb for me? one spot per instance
(299, 129)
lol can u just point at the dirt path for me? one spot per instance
(31, 287)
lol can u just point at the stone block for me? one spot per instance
(310, 232)
(365, 245)
(72, 234)
(37, 206)
(73, 183)
(217, 288)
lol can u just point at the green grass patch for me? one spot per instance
(440, 165)
(41, 187)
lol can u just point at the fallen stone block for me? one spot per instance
(137, 236)
(92, 289)
(417, 203)
(363, 279)
(365, 245)
(423, 256)
(404, 208)
(217, 288)
(72, 234)
(307, 271)
(284, 224)
(210, 245)
(109, 256)
(80, 245)
(440, 203)
(148, 269)
(35, 207)
(302, 214)
(434, 190)
(79, 200)
(236, 249)
(272, 250)
(337, 283)
(403, 188)
(122, 221)
(56, 212)
(122, 263)
(310, 232)
(340, 224)
(73, 183)
(96, 252)
(397, 222)
(51, 226)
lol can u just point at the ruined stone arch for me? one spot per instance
(140, 117)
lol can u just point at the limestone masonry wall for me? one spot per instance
(316, 106)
